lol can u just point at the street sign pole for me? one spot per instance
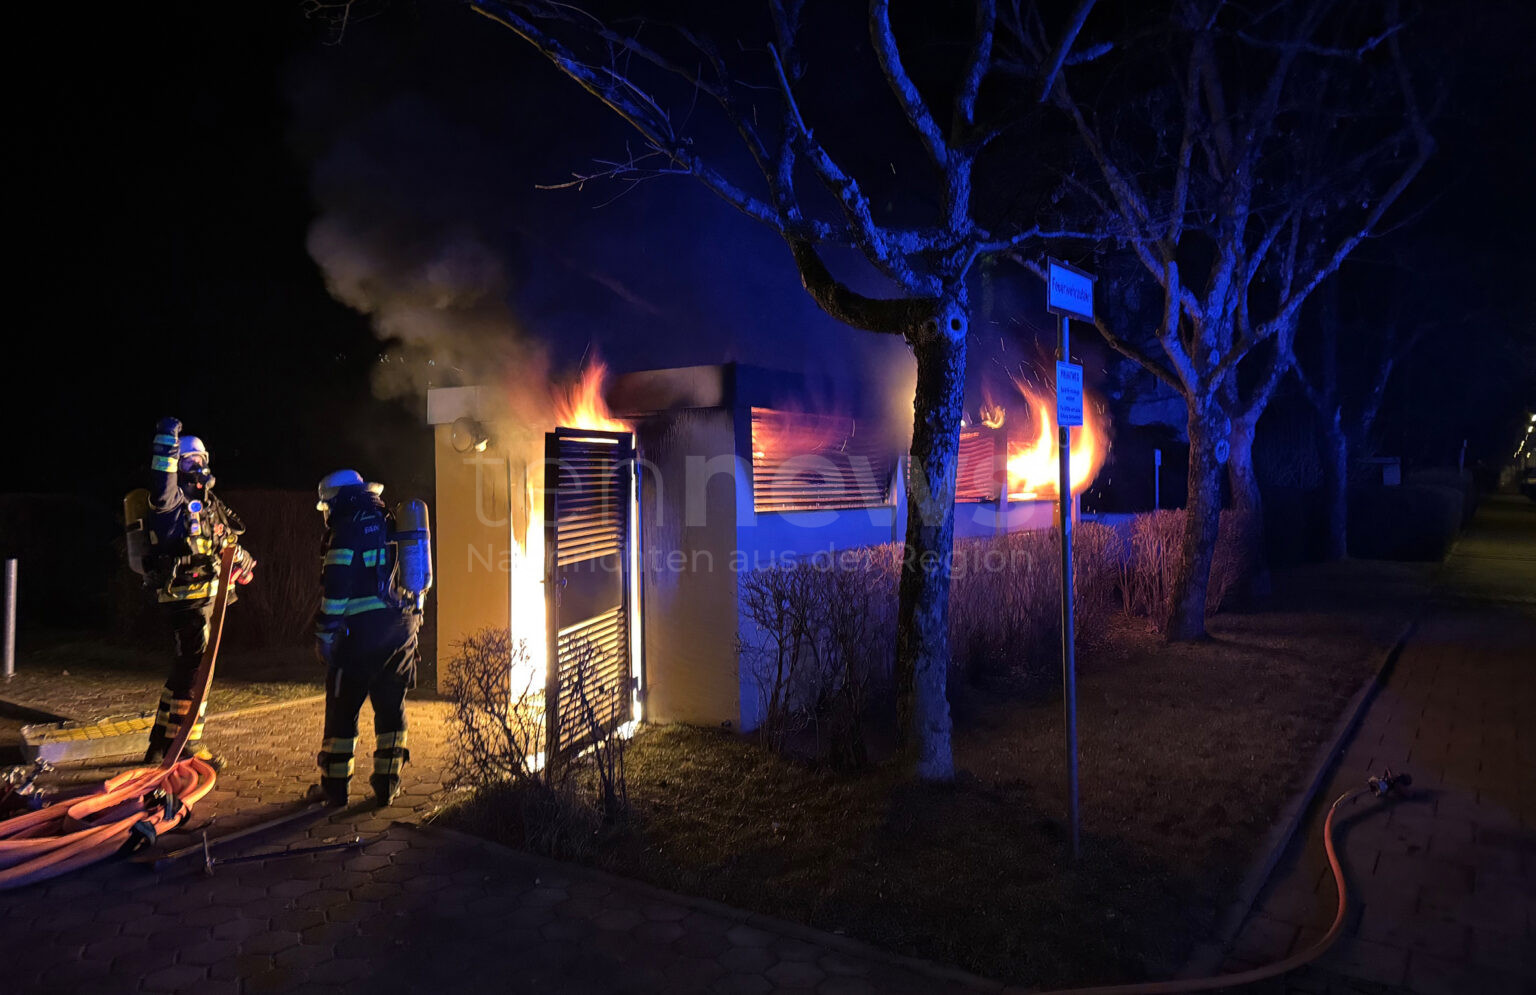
(1068, 641)
(1068, 295)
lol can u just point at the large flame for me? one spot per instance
(581, 405)
(1033, 469)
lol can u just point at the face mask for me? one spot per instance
(196, 481)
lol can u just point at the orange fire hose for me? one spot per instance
(1379, 786)
(74, 832)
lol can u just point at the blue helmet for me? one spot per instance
(191, 448)
(336, 481)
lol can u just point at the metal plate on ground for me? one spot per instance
(65, 742)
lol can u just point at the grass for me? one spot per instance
(82, 676)
(1188, 754)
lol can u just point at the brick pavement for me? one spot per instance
(1443, 881)
(417, 910)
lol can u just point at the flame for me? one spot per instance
(1033, 469)
(581, 405)
(578, 404)
(992, 414)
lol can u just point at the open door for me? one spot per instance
(587, 534)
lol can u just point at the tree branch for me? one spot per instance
(899, 316)
(1068, 39)
(918, 115)
(976, 67)
(870, 237)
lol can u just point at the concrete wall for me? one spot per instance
(472, 523)
(688, 509)
(979, 519)
(473, 543)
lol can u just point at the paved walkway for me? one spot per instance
(1443, 882)
(418, 910)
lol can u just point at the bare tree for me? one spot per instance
(791, 181)
(1346, 403)
(1242, 153)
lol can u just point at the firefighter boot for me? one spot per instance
(385, 789)
(389, 757)
(335, 761)
(331, 790)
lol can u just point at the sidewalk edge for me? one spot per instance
(1207, 956)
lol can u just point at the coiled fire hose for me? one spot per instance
(1378, 786)
(133, 807)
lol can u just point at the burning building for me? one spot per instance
(624, 534)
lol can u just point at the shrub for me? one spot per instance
(500, 746)
(819, 635)
(1157, 540)
(1457, 480)
(498, 728)
(1005, 604)
(1146, 578)
(1409, 522)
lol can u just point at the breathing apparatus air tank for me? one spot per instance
(413, 552)
(136, 534)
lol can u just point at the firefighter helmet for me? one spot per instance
(336, 481)
(191, 448)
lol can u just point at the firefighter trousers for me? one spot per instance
(189, 626)
(345, 693)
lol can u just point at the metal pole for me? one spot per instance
(1068, 664)
(10, 618)
(1157, 472)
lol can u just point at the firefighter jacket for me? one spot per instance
(189, 534)
(363, 627)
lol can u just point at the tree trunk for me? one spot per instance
(1248, 502)
(1336, 486)
(922, 640)
(1186, 619)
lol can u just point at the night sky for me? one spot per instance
(173, 163)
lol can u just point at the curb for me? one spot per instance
(831, 941)
(16, 710)
(1207, 957)
(271, 706)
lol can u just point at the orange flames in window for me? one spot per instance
(581, 405)
(1033, 470)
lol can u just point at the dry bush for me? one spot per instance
(1146, 577)
(1234, 561)
(1097, 553)
(603, 734)
(1005, 601)
(783, 603)
(821, 634)
(861, 641)
(1147, 573)
(1005, 604)
(500, 739)
(498, 728)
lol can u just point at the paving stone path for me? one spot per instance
(418, 910)
(1443, 881)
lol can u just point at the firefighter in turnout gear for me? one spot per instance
(365, 633)
(184, 531)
